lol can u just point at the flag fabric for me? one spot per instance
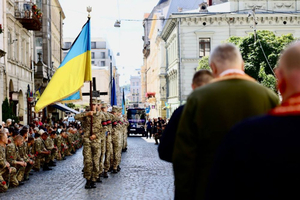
(38, 94)
(72, 72)
(113, 95)
(123, 104)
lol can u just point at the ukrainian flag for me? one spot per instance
(72, 73)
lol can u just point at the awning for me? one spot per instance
(64, 108)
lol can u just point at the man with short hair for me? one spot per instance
(23, 151)
(49, 143)
(259, 157)
(209, 114)
(167, 140)
(40, 152)
(108, 144)
(7, 172)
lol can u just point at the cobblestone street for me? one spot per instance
(143, 176)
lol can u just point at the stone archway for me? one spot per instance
(21, 107)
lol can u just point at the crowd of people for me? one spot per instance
(155, 128)
(233, 139)
(28, 149)
(25, 150)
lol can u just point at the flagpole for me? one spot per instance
(89, 9)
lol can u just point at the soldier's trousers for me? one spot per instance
(125, 139)
(20, 172)
(27, 169)
(40, 160)
(116, 156)
(10, 179)
(102, 154)
(108, 153)
(91, 155)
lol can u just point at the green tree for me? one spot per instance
(203, 63)
(71, 105)
(7, 111)
(256, 64)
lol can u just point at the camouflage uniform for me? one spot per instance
(109, 151)
(39, 157)
(4, 173)
(125, 133)
(115, 138)
(12, 155)
(91, 148)
(23, 151)
(103, 130)
(59, 142)
(49, 143)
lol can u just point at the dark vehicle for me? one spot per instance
(137, 119)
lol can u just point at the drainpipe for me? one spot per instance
(179, 62)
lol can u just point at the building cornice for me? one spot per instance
(168, 28)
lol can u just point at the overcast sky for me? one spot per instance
(127, 40)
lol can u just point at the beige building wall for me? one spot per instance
(57, 16)
(18, 43)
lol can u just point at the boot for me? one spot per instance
(118, 168)
(88, 184)
(110, 169)
(101, 175)
(93, 184)
(105, 175)
(52, 164)
(26, 178)
(114, 171)
(99, 180)
(46, 167)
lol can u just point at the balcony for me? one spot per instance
(29, 15)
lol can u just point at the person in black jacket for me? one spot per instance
(167, 140)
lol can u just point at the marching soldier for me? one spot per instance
(115, 138)
(91, 147)
(108, 146)
(125, 133)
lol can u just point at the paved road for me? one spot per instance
(143, 176)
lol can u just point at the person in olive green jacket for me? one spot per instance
(209, 114)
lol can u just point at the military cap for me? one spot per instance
(94, 100)
(114, 109)
(119, 109)
(103, 104)
(40, 132)
(99, 100)
(36, 129)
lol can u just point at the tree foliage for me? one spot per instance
(7, 111)
(203, 63)
(71, 105)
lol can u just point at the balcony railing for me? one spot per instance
(29, 15)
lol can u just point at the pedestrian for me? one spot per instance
(149, 128)
(259, 158)
(210, 112)
(166, 147)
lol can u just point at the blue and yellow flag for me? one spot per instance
(72, 72)
(123, 103)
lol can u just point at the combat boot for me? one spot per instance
(52, 164)
(118, 168)
(93, 184)
(46, 167)
(105, 175)
(88, 184)
(99, 180)
(114, 171)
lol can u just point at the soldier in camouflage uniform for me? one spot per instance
(49, 143)
(41, 153)
(23, 151)
(61, 145)
(14, 159)
(125, 134)
(7, 172)
(91, 146)
(103, 131)
(121, 130)
(115, 137)
(109, 150)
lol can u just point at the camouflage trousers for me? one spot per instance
(124, 146)
(27, 170)
(53, 154)
(91, 154)
(5, 176)
(116, 146)
(108, 153)
(20, 172)
(40, 160)
(102, 154)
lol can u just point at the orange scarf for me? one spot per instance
(233, 76)
(289, 107)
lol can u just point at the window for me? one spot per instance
(133, 91)
(132, 83)
(93, 45)
(93, 62)
(93, 55)
(204, 47)
(102, 55)
(67, 45)
(137, 91)
(137, 99)
(102, 63)
(133, 99)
